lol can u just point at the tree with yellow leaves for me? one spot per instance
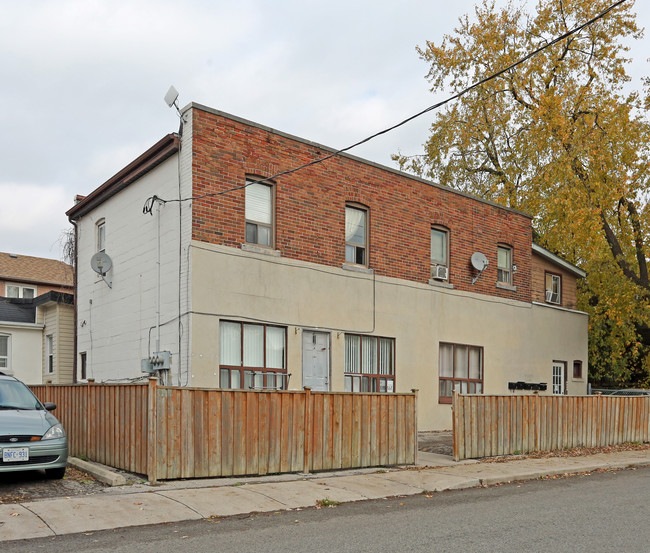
(561, 138)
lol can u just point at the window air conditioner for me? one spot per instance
(440, 272)
(551, 297)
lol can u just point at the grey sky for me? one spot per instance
(83, 81)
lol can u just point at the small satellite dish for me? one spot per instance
(101, 263)
(171, 96)
(479, 261)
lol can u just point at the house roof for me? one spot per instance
(17, 311)
(159, 152)
(557, 260)
(25, 268)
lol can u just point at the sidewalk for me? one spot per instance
(197, 499)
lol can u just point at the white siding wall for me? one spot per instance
(26, 355)
(113, 324)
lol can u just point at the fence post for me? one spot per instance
(308, 435)
(455, 426)
(152, 432)
(415, 391)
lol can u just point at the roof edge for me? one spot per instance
(194, 105)
(154, 156)
(559, 261)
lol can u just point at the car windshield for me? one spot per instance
(15, 395)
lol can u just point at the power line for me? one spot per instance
(148, 206)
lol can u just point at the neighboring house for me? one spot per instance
(343, 276)
(36, 319)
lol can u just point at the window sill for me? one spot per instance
(261, 249)
(357, 268)
(441, 283)
(508, 287)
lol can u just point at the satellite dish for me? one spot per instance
(101, 263)
(479, 261)
(171, 96)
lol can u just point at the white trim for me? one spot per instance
(551, 306)
(11, 324)
(559, 261)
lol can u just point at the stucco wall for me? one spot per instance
(520, 340)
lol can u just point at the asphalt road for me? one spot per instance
(597, 513)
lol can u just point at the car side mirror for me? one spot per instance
(49, 406)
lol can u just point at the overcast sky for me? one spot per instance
(82, 85)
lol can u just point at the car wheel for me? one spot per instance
(55, 474)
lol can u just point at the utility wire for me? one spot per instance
(149, 204)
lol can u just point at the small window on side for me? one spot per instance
(439, 253)
(577, 370)
(553, 288)
(101, 235)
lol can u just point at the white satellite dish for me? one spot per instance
(171, 96)
(479, 261)
(101, 263)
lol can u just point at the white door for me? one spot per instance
(558, 378)
(316, 360)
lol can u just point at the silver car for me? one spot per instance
(30, 436)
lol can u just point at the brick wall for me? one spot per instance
(569, 282)
(310, 208)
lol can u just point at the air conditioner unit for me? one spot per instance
(551, 297)
(440, 272)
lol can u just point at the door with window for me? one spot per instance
(316, 360)
(559, 377)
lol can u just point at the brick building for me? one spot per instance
(345, 275)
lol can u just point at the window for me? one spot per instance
(460, 368)
(252, 356)
(101, 235)
(369, 364)
(553, 288)
(5, 353)
(504, 265)
(356, 235)
(439, 253)
(259, 213)
(577, 370)
(49, 345)
(20, 291)
(82, 365)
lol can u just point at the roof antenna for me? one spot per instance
(171, 97)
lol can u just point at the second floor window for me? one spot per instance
(259, 213)
(19, 291)
(439, 253)
(356, 235)
(101, 235)
(504, 265)
(553, 288)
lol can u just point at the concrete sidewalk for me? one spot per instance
(177, 501)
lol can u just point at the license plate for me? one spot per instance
(13, 454)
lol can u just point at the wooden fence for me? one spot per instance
(486, 426)
(170, 432)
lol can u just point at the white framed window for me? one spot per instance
(5, 352)
(259, 213)
(252, 356)
(356, 235)
(553, 288)
(20, 291)
(504, 265)
(369, 363)
(460, 367)
(439, 253)
(101, 235)
(49, 351)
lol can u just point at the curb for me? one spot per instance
(98, 472)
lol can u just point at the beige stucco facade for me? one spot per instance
(520, 340)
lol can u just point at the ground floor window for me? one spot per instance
(252, 356)
(460, 368)
(369, 363)
(4, 351)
